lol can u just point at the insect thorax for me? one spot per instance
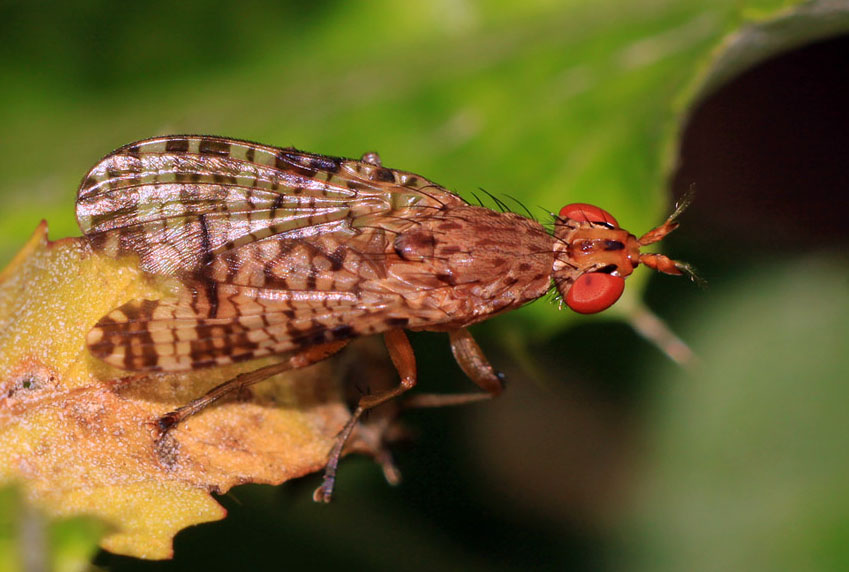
(473, 262)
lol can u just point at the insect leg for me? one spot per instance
(470, 357)
(474, 364)
(298, 360)
(404, 359)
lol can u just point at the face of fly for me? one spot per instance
(593, 255)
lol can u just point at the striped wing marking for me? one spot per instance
(278, 249)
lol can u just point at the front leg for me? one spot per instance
(470, 357)
(474, 364)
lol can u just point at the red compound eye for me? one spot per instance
(594, 292)
(583, 212)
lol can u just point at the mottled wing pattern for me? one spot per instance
(180, 334)
(177, 202)
(278, 249)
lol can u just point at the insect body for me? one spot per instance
(293, 254)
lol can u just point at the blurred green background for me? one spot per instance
(602, 453)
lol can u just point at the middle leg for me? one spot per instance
(404, 360)
(474, 364)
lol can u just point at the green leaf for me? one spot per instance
(27, 537)
(770, 32)
(750, 468)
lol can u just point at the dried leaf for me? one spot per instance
(78, 435)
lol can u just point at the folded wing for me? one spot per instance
(179, 202)
(277, 250)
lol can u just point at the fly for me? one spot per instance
(289, 253)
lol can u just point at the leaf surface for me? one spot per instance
(78, 435)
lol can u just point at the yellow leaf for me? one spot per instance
(78, 436)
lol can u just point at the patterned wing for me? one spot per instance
(179, 202)
(181, 335)
(303, 294)
(277, 249)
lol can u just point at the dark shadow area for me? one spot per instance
(768, 157)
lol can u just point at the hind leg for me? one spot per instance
(298, 360)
